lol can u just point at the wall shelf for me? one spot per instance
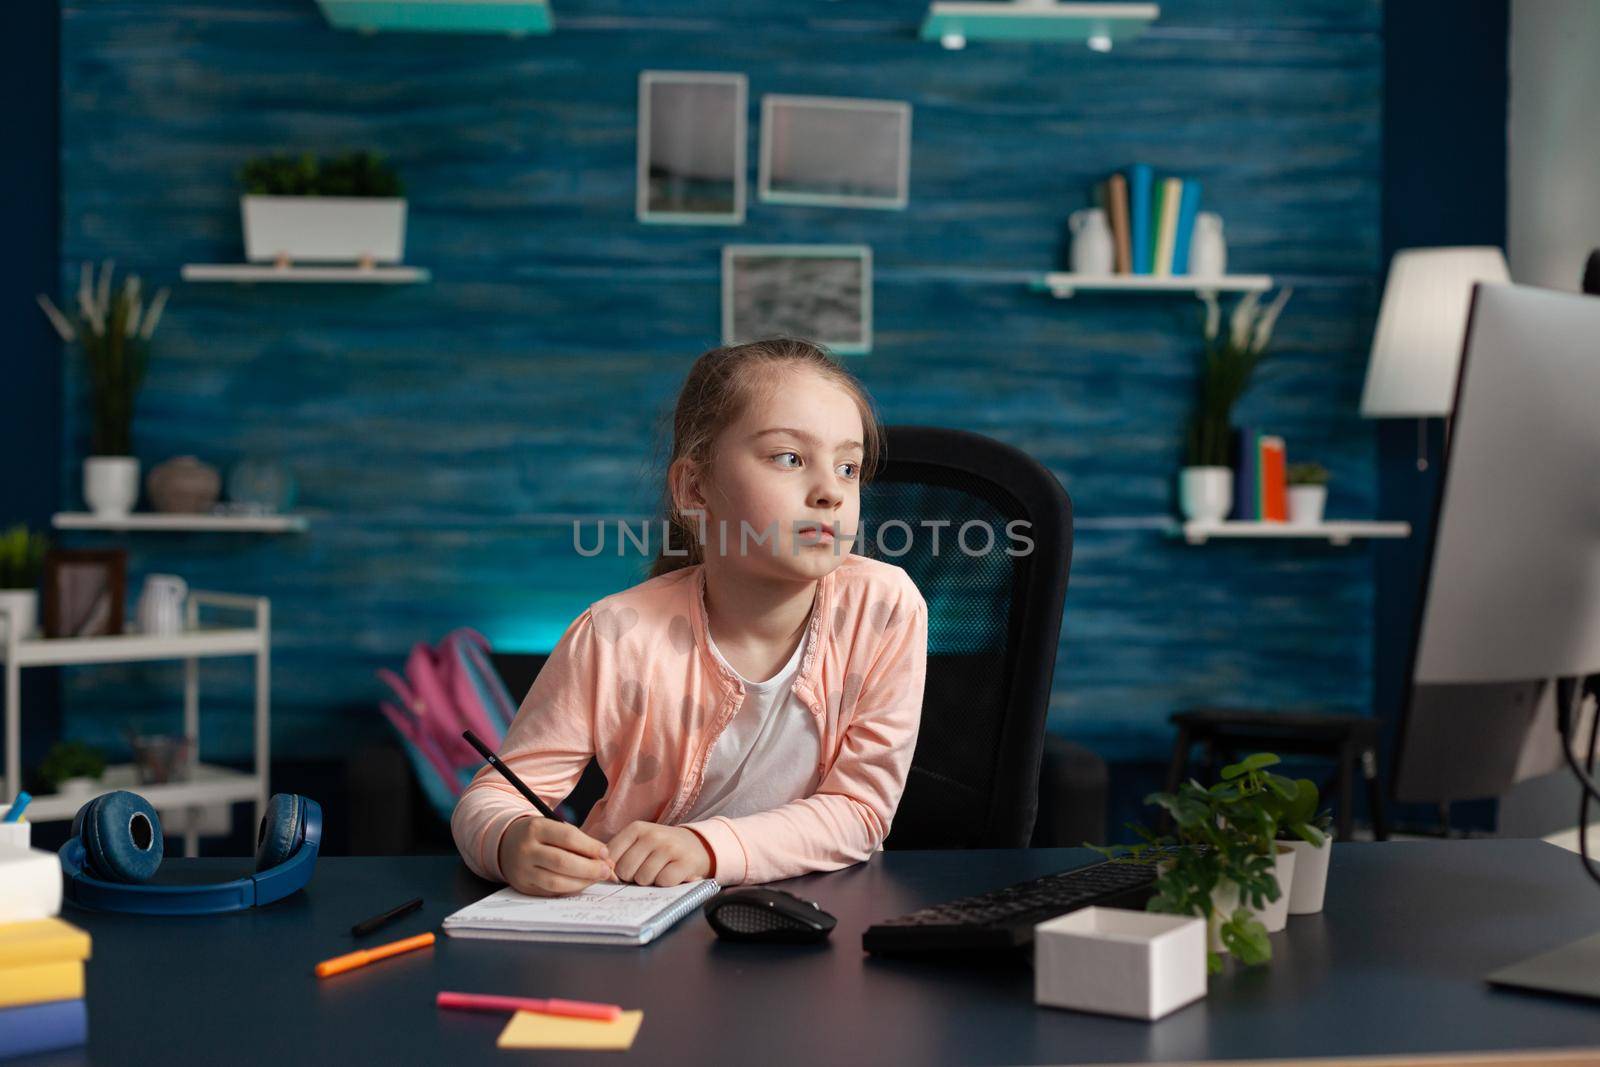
(1097, 25)
(515, 18)
(270, 272)
(1335, 533)
(180, 523)
(1063, 284)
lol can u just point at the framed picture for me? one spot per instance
(821, 293)
(836, 151)
(692, 131)
(83, 592)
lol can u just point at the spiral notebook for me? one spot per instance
(602, 914)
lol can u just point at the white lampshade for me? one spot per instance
(1416, 350)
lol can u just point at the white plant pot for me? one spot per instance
(21, 608)
(80, 786)
(1310, 875)
(1275, 916)
(324, 229)
(111, 485)
(1306, 503)
(1137, 964)
(1205, 493)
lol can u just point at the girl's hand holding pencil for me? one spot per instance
(549, 858)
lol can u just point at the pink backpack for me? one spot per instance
(446, 689)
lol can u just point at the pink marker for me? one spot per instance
(578, 1009)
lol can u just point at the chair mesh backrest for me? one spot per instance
(993, 623)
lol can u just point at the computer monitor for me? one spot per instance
(1512, 593)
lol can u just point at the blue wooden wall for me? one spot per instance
(446, 435)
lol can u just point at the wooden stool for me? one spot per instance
(1237, 732)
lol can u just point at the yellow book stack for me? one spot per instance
(41, 986)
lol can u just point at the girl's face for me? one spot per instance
(793, 459)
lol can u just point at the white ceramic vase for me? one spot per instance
(324, 229)
(1091, 242)
(81, 786)
(1310, 875)
(1275, 916)
(1205, 494)
(19, 607)
(1208, 251)
(1306, 504)
(111, 485)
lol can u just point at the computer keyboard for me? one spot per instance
(1003, 919)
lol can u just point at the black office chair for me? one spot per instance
(994, 620)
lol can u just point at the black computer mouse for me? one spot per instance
(753, 913)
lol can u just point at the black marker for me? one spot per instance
(366, 926)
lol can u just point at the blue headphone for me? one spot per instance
(116, 844)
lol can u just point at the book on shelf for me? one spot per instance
(1167, 229)
(1188, 207)
(1141, 183)
(1272, 470)
(1117, 213)
(1245, 480)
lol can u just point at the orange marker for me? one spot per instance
(351, 960)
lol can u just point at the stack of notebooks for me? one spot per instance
(1152, 220)
(1260, 477)
(41, 958)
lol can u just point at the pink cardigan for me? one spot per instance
(634, 681)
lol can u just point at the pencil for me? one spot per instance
(522, 787)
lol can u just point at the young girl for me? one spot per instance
(755, 702)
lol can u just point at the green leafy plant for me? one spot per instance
(21, 557)
(1225, 833)
(71, 759)
(353, 174)
(1229, 360)
(1297, 817)
(115, 331)
(1307, 474)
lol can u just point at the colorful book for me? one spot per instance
(41, 941)
(1187, 210)
(1245, 480)
(1167, 226)
(39, 982)
(1273, 492)
(1117, 214)
(1141, 180)
(1158, 192)
(42, 1027)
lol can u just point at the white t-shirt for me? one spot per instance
(768, 754)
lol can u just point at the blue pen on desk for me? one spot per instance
(16, 807)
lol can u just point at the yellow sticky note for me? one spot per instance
(532, 1029)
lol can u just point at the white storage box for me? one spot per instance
(17, 834)
(324, 229)
(1137, 964)
(30, 884)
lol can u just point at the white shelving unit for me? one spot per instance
(1063, 284)
(271, 272)
(206, 784)
(1335, 533)
(158, 521)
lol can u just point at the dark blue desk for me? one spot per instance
(1394, 964)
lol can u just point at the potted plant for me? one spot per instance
(73, 768)
(1310, 834)
(21, 563)
(115, 331)
(341, 209)
(1222, 861)
(1205, 486)
(1308, 493)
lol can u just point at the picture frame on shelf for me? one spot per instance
(84, 592)
(822, 293)
(835, 151)
(691, 147)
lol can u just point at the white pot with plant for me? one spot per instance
(343, 209)
(1221, 861)
(21, 563)
(73, 769)
(114, 331)
(1310, 834)
(1308, 493)
(1205, 485)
